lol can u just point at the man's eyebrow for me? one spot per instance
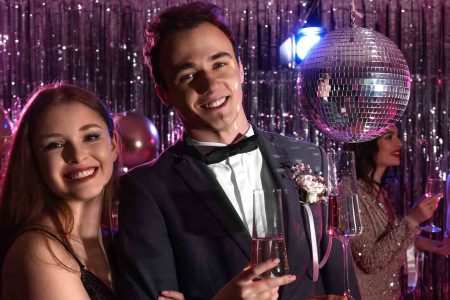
(220, 55)
(188, 65)
(182, 67)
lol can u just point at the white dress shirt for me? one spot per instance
(238, 176)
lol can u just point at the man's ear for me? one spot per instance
(162, 94)
(241, 70)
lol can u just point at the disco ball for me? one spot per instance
(354, 84)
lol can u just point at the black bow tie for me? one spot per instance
(221, 153)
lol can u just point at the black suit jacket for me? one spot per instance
(179, 231)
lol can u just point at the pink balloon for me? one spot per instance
(140, 139)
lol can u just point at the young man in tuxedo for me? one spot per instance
(186, 218)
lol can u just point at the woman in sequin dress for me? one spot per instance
(380, 251)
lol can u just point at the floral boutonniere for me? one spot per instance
(311, 188)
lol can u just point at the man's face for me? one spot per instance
(203, 79)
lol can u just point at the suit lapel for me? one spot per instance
(202, 182)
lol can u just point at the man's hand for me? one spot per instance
(244, 286)
(433, 246)
(171, 295)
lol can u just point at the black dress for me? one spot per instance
(96, 289)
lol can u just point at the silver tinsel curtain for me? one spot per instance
(97, 44)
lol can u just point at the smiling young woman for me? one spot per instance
(57, 188)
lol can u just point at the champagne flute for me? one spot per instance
(344, 220)
(435, 188)
(268, 231)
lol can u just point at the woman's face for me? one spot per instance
(74, 151)
(389, 147)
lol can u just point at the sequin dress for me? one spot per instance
(380, 251)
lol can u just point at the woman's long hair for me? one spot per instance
(365, 154)
(24, 198)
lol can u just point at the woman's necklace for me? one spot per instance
(380, 198)
(380, 195)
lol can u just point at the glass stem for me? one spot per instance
(431, 222)
(344, 252)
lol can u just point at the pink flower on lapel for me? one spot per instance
(311, 188)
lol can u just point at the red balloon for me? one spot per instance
(140, 139)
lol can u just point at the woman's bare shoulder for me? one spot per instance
(37, 266)
(36, 249)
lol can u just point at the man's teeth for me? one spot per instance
(216, 103)
(82, 174)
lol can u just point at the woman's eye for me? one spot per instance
(186, 77)
(91, 137)
(53, 145)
